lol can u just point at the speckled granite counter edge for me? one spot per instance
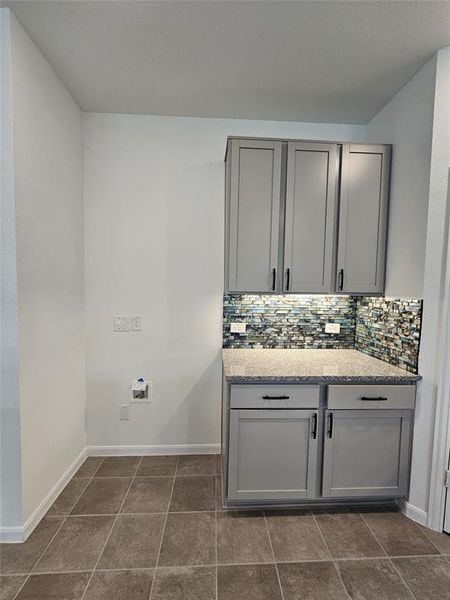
(325, 379)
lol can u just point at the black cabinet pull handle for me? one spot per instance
(275, 397)
(288, 279)
(274, 278)
(330, 425)
(314, 427)
(341, 280)
(377, 399)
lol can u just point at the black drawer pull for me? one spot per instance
(275, 397)
(378, 399)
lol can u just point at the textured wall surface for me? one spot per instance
(388, 329)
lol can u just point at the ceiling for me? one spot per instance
(337, 61)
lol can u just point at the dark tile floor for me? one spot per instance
(151, 528)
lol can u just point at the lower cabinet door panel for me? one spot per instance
(366, 453)
(272, 454)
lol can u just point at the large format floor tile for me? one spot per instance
(440, 540)
(77, 545)
(347, 536)
(134, 542)
(60, 586)
(21, 558)
(65, 502)
(148, 494)
(219, 493)
(311, 581)
(102, 496)
(189, 539)
(398, 535)
(295, 536)
(157, 465)
(372, 580)
(118, 466)
(120, 585)
(10, 585)
(197, 464)
(428, 578)
(252, 582)
(242, 537)
(89, 467)
(185, 583)
(193, 494)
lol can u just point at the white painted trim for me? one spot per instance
(20, 534)
(412, 512)
(153, 450)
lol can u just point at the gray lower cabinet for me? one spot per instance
(272, 454)
(363, 214)
(366, 453)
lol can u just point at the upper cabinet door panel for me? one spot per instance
(254, 182)
(311, 187)
(363, 218)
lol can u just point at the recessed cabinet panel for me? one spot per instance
(272, 454)
(310, 217)
(366, 453)
(363, 219)
(254, 189)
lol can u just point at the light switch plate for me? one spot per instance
(121, 324)
(124, 412)
(136, 323)
(238, 327)
(332, 328)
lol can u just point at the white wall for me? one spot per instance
(406, 122)
(10, 452)
(48, 164)
(154, 209)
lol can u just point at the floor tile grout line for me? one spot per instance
(273, 556)
(426, 535)
(388, 557)
(110, 531)
(333, 560)
(164, 528)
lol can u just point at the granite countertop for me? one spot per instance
(309, 366)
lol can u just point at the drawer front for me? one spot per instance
(274, 396)
(371, 396)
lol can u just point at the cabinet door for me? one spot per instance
(253, 215)
(272, 454)
(363, 218)
(366, 453)
(311, 186)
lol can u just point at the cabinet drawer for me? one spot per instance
(274, 396)
(371, 396)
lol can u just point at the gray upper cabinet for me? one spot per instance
(293, 226)
(253, 215)
(363, 219)
(311, 188)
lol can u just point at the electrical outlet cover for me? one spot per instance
(124, 412)
(238, 327)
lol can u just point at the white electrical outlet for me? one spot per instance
(332, 328)
(124, 412)
(238, 327)
(121, 324)
(136, 323)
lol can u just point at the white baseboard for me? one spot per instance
(20, 534)
(412, 512)
(153, 450)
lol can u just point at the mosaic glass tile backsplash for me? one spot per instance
(389, 329)
(288, 321)
(385, 328)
